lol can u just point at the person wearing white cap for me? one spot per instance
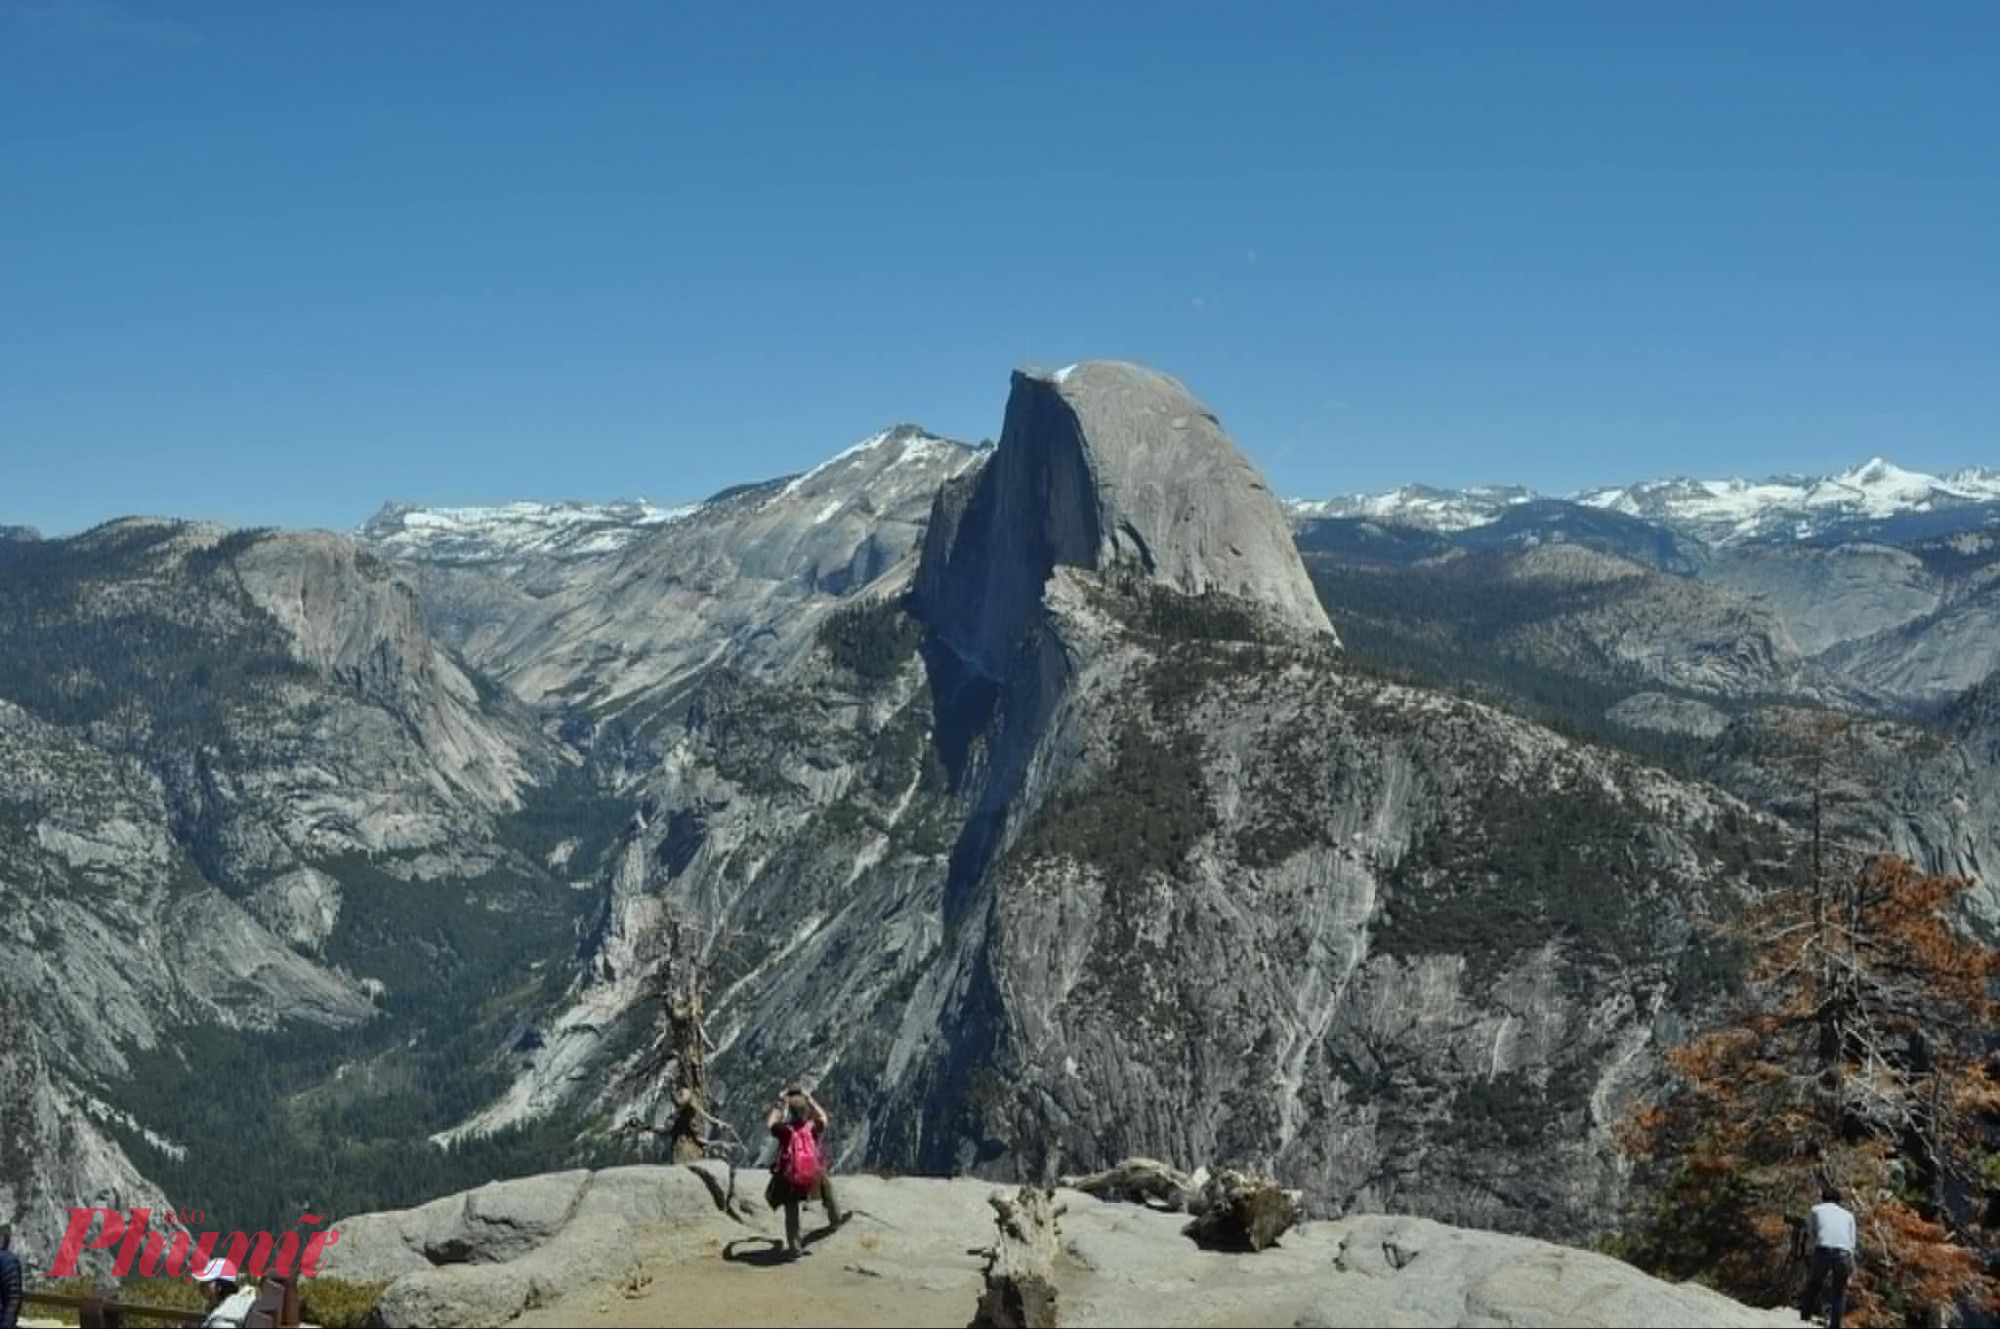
(228, 1305)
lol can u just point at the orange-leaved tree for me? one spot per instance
(1859, 1053)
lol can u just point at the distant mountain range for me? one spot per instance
(1717, 512)
(507, 537)
(1875, 500)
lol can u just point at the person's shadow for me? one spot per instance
(771, 1252)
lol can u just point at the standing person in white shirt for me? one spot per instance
(1833, 1233)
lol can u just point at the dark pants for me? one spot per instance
(822, 1190)
(1830, 1269)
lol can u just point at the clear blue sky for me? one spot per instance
(279, 260)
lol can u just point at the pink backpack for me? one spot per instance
(798, 1165)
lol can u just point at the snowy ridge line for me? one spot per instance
(885, 468)
(1720, 509)
(513, 530)
(914, 443)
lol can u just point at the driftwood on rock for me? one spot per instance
(1020, 1267)
(1241, 1212)
(1143, 1181)
(1232, 1210)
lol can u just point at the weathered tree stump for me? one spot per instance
(1020, 1267)
(1144, 1181)
(688, 1134)
(1240, 1212)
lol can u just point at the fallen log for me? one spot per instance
(1020, 1267)
(1144, 1181)
(1238, 1211)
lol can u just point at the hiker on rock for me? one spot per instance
(798, 1122)
(10, 1281)
(1832, 1233)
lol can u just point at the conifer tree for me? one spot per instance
(1860, 1052)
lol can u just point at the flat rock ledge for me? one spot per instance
(564, 1241)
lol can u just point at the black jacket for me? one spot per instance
(10, 1289)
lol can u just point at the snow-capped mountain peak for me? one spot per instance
(891, 449)
(1717, 511)
(1881, 483)
(1421, 505)
(1877, 472)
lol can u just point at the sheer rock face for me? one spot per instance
(1112, 468)
(1928, 794)
(1974, 719)
(54, 1150)
(359, 626)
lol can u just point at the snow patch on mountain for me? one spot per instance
(1730, 510)
(510, 532)
(506, 536)
(1720, 511)
(1421, 505)
(911, 444)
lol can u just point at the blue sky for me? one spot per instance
(278, 261)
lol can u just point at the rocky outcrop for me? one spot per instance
(1410, 1271)
(554, 1249)
(483, 1256)
(1113, 469)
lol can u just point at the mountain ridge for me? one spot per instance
(511, 533)
(1719, 512)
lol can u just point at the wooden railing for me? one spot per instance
(277, 1307)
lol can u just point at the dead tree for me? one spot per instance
(1144, 1181)
(1231, 1210)
(1238, 1211)
(681, 974)
(1021, 1266)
